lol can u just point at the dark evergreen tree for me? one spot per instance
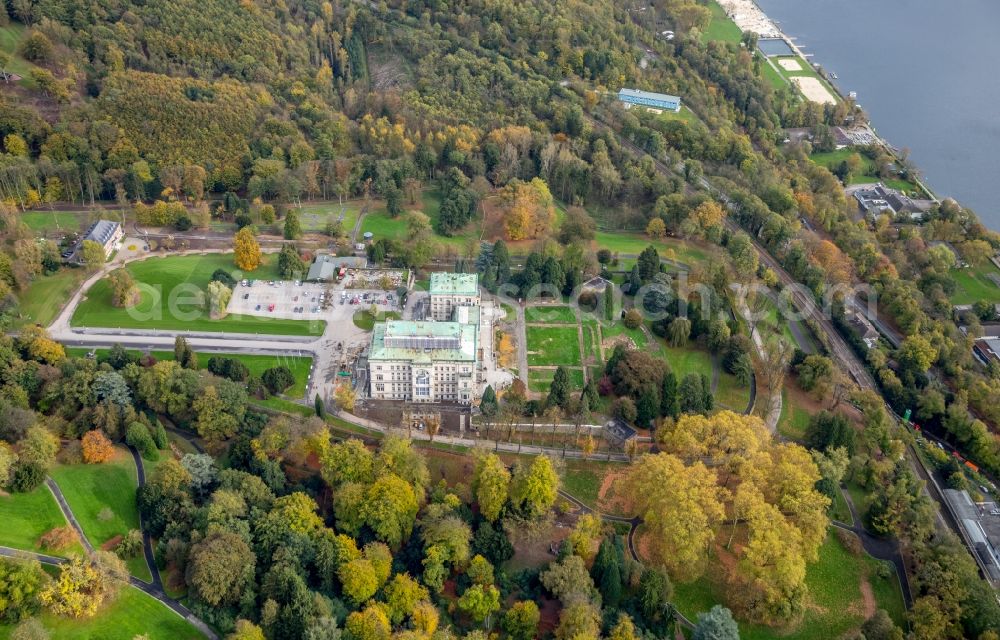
(647, 408)
(559, 390)
(634, 281)
(648, 263)
(488, 404)
(669, 404)
(708, 400)
(691, 394)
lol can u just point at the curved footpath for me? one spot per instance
(154, 590)
(886, 549)
(147, 544)
(633, 525)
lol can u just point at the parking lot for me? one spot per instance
(310, 301)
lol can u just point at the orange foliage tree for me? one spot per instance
(96, 447)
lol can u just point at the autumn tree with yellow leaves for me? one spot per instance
(246, 250)
(528, 209)
(723, 480)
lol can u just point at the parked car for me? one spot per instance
(257, 308)
(246, 296)
(270, 307)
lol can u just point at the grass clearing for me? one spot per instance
(550, 315)
(171, 293)
(26, 516)
(43, 222)
(836, 604)
(10, 37)
(91, 488)
(867, 174)
(688, 359)
(730, 394)
(634, 243)
(582, 479)
(618, 329)
(796, 411)
(720, 28)
(591, 341)
(381, 225)
(553, 346)
(46, 295)
(314, 215)
(131, 614)
(539, 380)
(974, 284)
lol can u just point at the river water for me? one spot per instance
(928, 74)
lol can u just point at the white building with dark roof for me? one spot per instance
(106, 233)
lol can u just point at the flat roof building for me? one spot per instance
(451, 290)
(650, 99)
(424, 361)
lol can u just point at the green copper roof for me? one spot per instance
(423, 342)
(463, 284)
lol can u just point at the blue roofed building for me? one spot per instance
(650, 99)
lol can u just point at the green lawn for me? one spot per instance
(720, 27)
(365, 320)
(834, 591)
(300, 366)
(90, 488)
(582, 480)
(553, 346)
(315, 215)
(46, 295)
(974, 284)
(550, 315)
(634, 243)
(839, 509)
(730, 394)
(26, 516)
(618, 329)
(688, 359)
(382, 226)
(794, 419)
(591, 340)
(867, 173)
(162, 278)
(773, 76)
(45, 221)
(131, 614)
(541, 379)
(10, 36)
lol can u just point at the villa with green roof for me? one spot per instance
(424, 361)
(433, 360)
(450, 290)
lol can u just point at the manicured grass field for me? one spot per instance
(634, 243)
(382, 226)
(46, 295)
(314, 215)
(541, 379)
(26, 516)
(550, 315)
(131, 614)
(720, 27)
(90, 488)
(974, 284)
(688, 359)
(553, 346)
(773, 76)
(834, 592)
(45, 221)
(164, 277)
(257, 364)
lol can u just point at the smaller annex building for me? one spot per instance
(328, 268)
(451, 290)
(650, 99)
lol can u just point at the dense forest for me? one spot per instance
(247, 104)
